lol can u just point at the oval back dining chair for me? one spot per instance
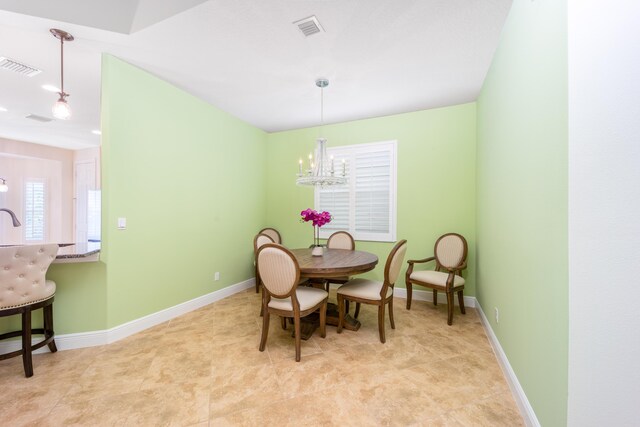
(280, 275)
(273, 233)
(258, 242)
(450, 255)
(374, 292)
(340, 240)
(24, 288)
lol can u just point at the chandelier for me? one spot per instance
(321, 169)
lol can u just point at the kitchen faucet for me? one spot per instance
(14, 218)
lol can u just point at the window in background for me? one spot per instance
(34, 211)
(366, 206)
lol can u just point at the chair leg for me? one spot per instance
(296, 322)
(409, 294)
(283, 322)
(461, 302)
(357, 312)
(265, 330)
(26, 343)
(435, 297)
(340, 313)
(327, 286)
(381, 322)
(48, 327)
(449, 308)
(393, 325)
(346, 307)
(257, 276)
(323, 320)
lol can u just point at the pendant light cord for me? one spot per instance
(321, 109)
(62, 94)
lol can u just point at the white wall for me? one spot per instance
(604, 213)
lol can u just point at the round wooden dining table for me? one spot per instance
(334, 263)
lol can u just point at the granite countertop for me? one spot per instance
(74, 252)
(78, 250)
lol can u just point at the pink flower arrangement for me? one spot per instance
(318, 219)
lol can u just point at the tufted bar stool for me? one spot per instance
(23, 288)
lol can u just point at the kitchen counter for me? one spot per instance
(78, 252)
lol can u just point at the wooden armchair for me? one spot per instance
(450, 255)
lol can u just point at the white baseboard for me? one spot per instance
(420, 295)
(108, 336)
(526, 410)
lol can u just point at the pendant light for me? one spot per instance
(321, 170)
(61, 109)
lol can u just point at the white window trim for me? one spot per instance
(393, 199)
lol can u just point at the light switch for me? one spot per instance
(122, 223)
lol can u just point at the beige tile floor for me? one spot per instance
(204, 369)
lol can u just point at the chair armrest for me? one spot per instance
(419, 261)
(456, 268)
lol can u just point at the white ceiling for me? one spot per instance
(246, 57)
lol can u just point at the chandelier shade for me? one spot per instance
(321, 171)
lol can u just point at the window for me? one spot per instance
(366, 206)
(34, 208)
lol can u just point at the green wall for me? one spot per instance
(189, 179)
(522, 201)
(436, 174)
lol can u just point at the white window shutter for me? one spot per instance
(34, 196)
(372, 192)
(366, 206)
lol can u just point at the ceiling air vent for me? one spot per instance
(309, 26)
(38, 118)
(18, 67)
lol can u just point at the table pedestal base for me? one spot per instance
(310, 323)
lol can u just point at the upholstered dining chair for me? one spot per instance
(258, 241)
(450, 255)
(23, 289)
(280, 274)
(340, 240)
(374, 292)
(273, 233)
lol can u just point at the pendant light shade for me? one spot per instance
(61, 109)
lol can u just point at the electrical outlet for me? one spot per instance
(496, 312)
(216, 276)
